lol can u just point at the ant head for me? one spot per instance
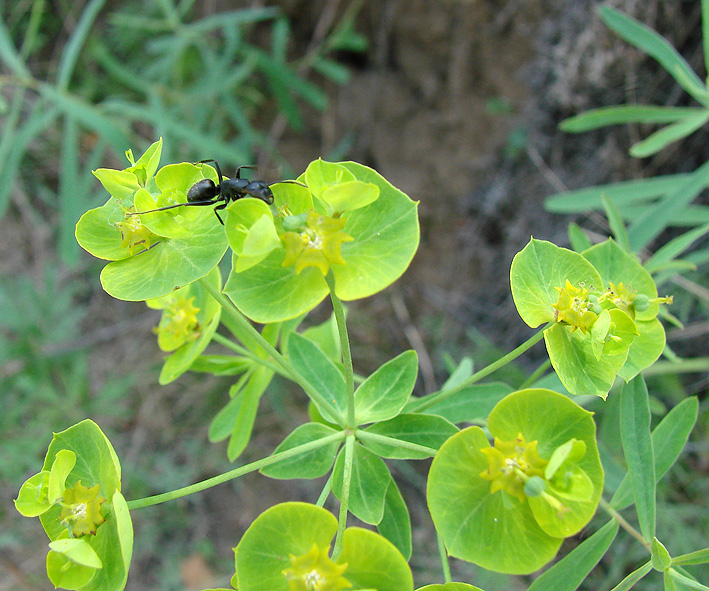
(260, 190)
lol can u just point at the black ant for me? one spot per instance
(205, 192)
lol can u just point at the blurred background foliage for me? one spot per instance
(430, 95)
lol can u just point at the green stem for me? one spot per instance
(623, 523)
(345, 500)
(244, 352)
(391, 441)
(246, 469)
(445, 566)
(430, 400)
(536, 374)
(339, 311)
(325, 493)
(228, 306)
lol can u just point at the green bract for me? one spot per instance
(156, 253)
(77, 497)
(477, 494)
(350, 221)
(603, 305)
(189, 320)
(286, 548)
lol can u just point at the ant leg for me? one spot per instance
(216, 166)
(220, 206)
(238, 170)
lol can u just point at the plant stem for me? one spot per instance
(339, 311)
(624, 524)
(445, 566)
(391, 441)
(241, 471)
(430, 400)
(288, 368)
(244, 352)
(345, 500)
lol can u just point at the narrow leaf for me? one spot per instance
(668, 441)
(311, 464)
(657, 47)
(604, 116)
(570, 571)
(697, 557)
(638, 451)
(665, 136)
(674, 247)
(656, 218)
(634, 577)
(615, 220)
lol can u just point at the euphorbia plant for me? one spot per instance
(502, 494)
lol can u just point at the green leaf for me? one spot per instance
(672, 249)
(623, 194)
(255, 385)
(645, 350)
(63, 464)
(638, 451)
(384, 393)
(661, 559)
(648, 226)
(668, 441)
(537, 270)
(595, 118)
(628, 582)
(77, 550)
(578, 238)
(291, 529)
(427, 430)
(576, 364)
(310, 464)
(32, 499)
(368, 485)
(283, 530)
(449, 587)
(373, 562)
(697, 557)
(395, 525)
(168, 265)
(317, 369)
(657, 47)
(672, 133)
(615, 221)
(569, 573)
(470, 404)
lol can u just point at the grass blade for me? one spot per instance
(605, 116)
(657, 47)
(674, 248)
(648, 226)
(672, 133)
(73, 47)
(615, 221)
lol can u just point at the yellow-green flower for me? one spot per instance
(575, 308)
(134, 233)
(81, 509)
(317, 245)
(178, 324)
(511, 464)
(315, 571)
